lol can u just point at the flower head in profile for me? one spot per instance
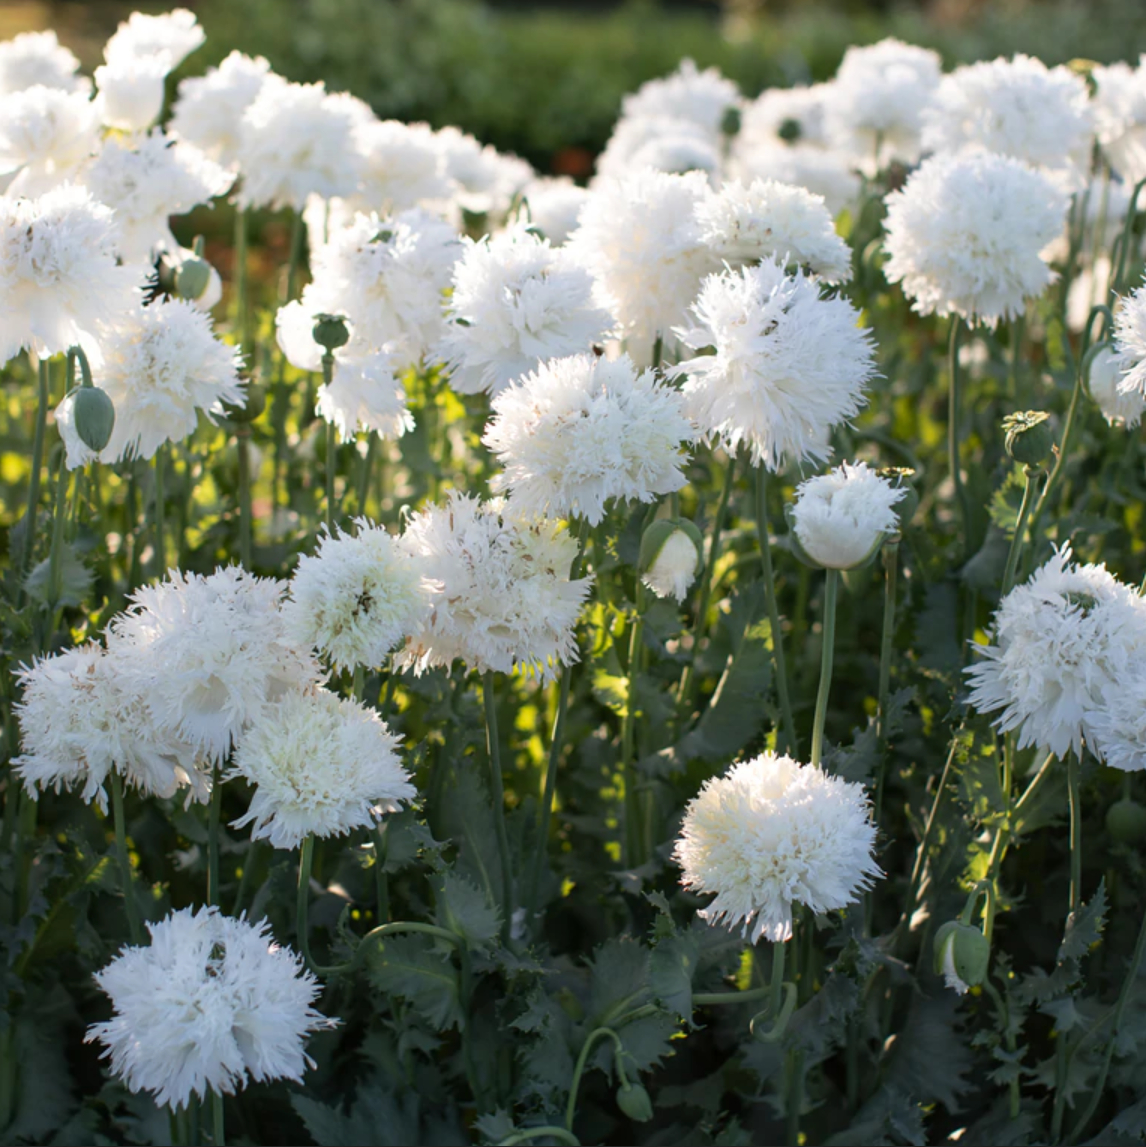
(640, 238)
(46, 135)
(131, 92)
(209, 109)
(581, 431)
(321, 766)
(356, 598)
(297, 140)
(210, 652)
(790, 363)
(59, 280)
(1120, 117)
(966, 236)
(162, 366)
(516, 302)
(744, 223)
(1117, 727)
(210, 1004)
(80, 718)
(874, 107)
(170, 37)
(1061, 642)
(1130, 342)
(147, 179)
(1019, 108)
(502, 598)
(772, 833)
(842, 517)
(672, 555)
(33, 58)
(1120, 407)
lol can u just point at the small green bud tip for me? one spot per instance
(192, 277)
(634, 1101)
(962, 954)
(94, 416)
(730, 121)
(331, 331)
(790, 130)
(654, 538)
(1028, 437)
(1126, 821)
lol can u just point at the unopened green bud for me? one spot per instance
(1028, 436)
(192, 278)
(962, 954)
(790, 130)
(634, 1101)
(248, 411)
(1126, 821)
(331, 331)
(671, 556)
(730, 121)
(94, 416)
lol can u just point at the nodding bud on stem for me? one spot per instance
(670, 556)
(1028, 437)
(192, 278)
(331, 332)
(962, 954)
(634, 1101)
(93, 411)
(1126, 821)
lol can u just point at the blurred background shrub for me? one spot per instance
(545, 80)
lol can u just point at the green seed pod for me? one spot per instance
(94, 416)
(1126, 821)
(634, 1101)
(962, 954)
(790, 130)
(331, 331)
(1028, 437)
(254, 406)
(192, 277)
(730, 121)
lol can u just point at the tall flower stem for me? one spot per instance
(37, 466)
(1033, 475)
(160, 504)
(890, 557)
(218, 1132)
(1073, 768)
(556, 746)
(130, 907)
(498, 793)
(688, 677)
(780, 666)
(954, 412)
(331, 449)
(831, 591)
(239, 273)
(243, 445)
(59, 519)
(634, 850)
(372, 440)
(213, 818)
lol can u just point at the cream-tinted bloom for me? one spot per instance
(209, 1004)
(81, 717)
(789, 365)
(515, 303)
(640, 238)
(1119, 407)
(1120, 117)
(321, 766)
(46, 134)
(501, 598)
(842, 517)
(162, 366)
(700, 97)
(1019, 108)
(772, 833)
(170, 37)
(1117, 727)
(966, 236)
(822, 172)
(59, 280)
(1061, 642)
(581, 431)
(745, 223)
(553, 207)
(210, 653)
(658, 143)
(1130, 342)
(356, 598)
(130, 92)
(402, 167)
(33, 58)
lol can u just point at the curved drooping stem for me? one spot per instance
(827, 656)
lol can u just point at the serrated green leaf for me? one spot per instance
(619, 981)
(671, 967)
(75, 579)
(465, 909)
(378, 1118)
(495, 1126)
(1084, 928)
(929, 1057)
(412, 967)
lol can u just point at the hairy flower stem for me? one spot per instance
(218, 1132)
(954, 411)
(34, 479)
(243, 445)
(497, 792)
(213, 818)
(688, 677)
(890, 556)
(790, 745)
(634, 850)
(1033, 475)
(130, 907)
(556, 746)
(160, 521)
(831, 590)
